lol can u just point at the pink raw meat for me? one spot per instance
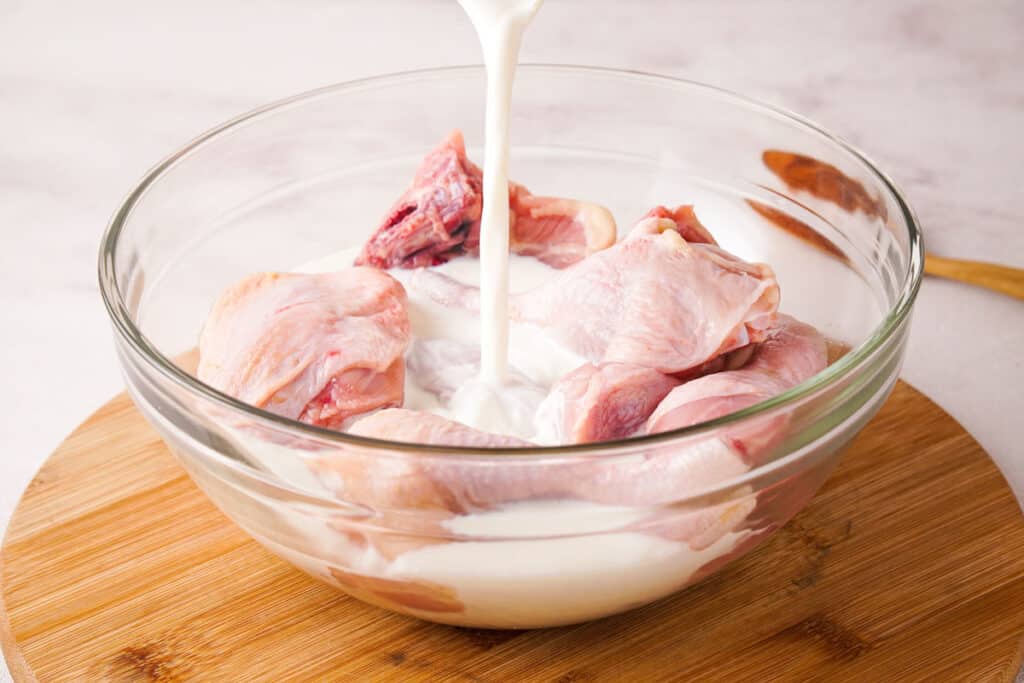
(792, 353)
(437, 486)
(669, 474)
(438, 218)
(430, 482)
(316, 348)
(655, 300)
(687, 224)
(415, 426)
(606, 401)
(559, 232)
(432, 221)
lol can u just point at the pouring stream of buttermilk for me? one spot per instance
(500, 25)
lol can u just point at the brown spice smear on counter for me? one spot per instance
(799, 229)
(822, 180)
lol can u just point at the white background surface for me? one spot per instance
(93, 94)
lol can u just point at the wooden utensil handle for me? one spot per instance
(988, 275)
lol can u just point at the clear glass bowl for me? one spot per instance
(510, 538)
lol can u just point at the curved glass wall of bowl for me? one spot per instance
(313, 175)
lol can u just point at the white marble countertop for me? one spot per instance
(93, 94)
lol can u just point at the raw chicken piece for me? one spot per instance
(605, 401)
(437, 487)
(701, 528)
(428, 488)
(687, 224)
(559, 232)
(438, 218)
(668, 474)
(316, 348)
(792, 353)
(655, 300)
(428, 482)
(414, 426)
(431, 482)
(435, 217)
(733, 360)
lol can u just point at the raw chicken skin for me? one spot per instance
(687, 223)
(656, 301)
(559, 232)
(388, 481)
(317, 348)
(438, 486)
(433, 482)
(792, 353)
(605, 401)
(415, 426)
(438, 218)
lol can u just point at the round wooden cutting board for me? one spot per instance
(909, 565)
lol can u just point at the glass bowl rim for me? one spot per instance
(846, 366)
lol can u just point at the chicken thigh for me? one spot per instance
(428, 482)
(603, 402)
(416, 426)
(559, 232)
(316, 348)
(656, 301)
(792, 353)
(438, 486)
(438, 218)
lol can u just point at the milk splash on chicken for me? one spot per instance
(500, 25)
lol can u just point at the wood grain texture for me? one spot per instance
(1004, 279)
(909, 565)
